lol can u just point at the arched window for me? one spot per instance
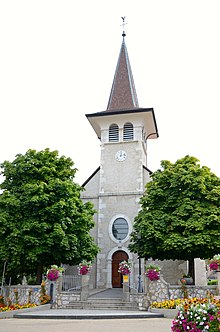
(113, 133)
(128, 132)
(120, 228)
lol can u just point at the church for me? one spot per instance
(117, 185)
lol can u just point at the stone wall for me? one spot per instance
(22, 294)
(161, 290)
(64, 298)
(175, 292)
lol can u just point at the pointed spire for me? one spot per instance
(123, 94)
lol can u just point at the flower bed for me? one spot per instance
(192, 314)
(13, 307)
(197, 317)
(174, 304)
(167, 304)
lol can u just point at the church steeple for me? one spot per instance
(123, 94)
(123, 101)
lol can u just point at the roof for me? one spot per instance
(123, 100)
(145, 115)
(123, 93)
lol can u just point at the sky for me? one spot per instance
(57, 63)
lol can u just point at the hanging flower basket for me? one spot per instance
(54, 272)
(214, 263)
(152, 272)
(124, 268)
(84, 267)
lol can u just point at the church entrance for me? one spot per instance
(117, 257)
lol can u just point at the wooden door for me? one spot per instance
(117, 257)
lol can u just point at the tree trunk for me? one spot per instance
(39, 273)
(192, 270)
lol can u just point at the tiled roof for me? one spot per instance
(123, 94)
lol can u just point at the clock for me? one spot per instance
(120, 155)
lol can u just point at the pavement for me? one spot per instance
(70, 325)
(86, 314)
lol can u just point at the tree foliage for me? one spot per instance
(43, 220)
(180, 213)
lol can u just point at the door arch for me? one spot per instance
(117, 257)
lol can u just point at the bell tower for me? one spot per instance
(117, 185)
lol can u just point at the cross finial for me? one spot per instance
(123, 25)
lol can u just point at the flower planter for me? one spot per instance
(168, 313)
(187, 281)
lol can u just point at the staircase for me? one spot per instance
(110, 299)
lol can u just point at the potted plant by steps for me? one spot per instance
(54, 272)
(186, 279)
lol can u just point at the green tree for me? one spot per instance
(180, 213)
(43, 220)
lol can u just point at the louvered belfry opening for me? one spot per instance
(128, 132)
(113, 133)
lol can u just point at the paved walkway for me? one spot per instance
(108, 325)
(86, 314)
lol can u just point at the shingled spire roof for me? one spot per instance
(123, 94)
(123, 101)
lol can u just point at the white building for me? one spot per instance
(117, 185)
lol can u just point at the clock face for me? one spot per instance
(120, 155)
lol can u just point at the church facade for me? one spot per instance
(117, 185)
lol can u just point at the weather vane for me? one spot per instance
(123, 25)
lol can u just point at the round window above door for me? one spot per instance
(120, 229)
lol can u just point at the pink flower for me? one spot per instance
(213, 266)
(53, 274)
(124, 268)
(153, 275)
(84, 270)
(84, 267)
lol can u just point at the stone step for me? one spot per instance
(102, 305)
(106, 300)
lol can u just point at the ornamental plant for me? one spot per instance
(54, 272)
(197, 317)
(124, 267)
(11, 307)
(186, 275)
(44, 297)
(152, 272)
(177, 303)
(214, 263)
(84, 267)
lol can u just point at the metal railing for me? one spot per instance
(71, 283)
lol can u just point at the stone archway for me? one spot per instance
(117, 257)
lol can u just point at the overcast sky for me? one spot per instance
(57, 62)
